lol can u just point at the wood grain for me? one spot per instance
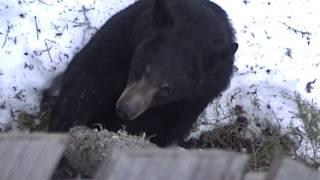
(30, 156)
(172, 165)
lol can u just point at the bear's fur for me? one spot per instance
(153, 68)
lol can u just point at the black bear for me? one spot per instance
(153, 68)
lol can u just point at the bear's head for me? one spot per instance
(165, 67)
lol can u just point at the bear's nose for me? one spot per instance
(123, 111)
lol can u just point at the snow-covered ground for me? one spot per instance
(278, 56)
(38, 39)
(279, 52)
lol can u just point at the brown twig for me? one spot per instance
(48, 49)
(9, 27)
(57, 28)
(303, 33)
(37, 27)
(84, 10)
(40, 1)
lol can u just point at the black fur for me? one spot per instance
(188, 45)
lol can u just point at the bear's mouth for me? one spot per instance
(136, 98)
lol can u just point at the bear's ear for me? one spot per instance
(219, 51)
(224, 50)
(162, 14)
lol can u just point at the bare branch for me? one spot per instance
(48, 49)
(303, 33)
(37, 28)
(9, 27)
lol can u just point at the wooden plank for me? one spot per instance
(174, 164)
(30, 156)
(293, 170)
(254, 176)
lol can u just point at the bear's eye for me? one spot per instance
(165, 90)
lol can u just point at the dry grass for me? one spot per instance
(235, 137)
(270, 142)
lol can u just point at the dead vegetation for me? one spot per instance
(299, 143)
(309, 113)
(234, 137)
(88, 147)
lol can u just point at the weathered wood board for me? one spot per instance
(172, 165)
(254, 176)
(35, 156)
(30, 156)
(293, 170)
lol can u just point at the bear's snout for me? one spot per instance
(124, 111)
(135, 99)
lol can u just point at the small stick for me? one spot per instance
(84, 10)
(48, 49)
(9, 27)
(40, 1)
(37, 28)
(296, 30)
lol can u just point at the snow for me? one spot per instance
(279, 53)
(30, 59)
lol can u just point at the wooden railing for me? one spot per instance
(35, 157)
